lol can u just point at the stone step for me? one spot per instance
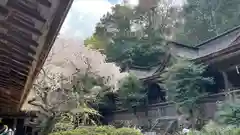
(164, 124)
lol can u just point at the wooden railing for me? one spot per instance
(168, 109)
(229, 94)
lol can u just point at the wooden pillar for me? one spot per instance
(225, 78)
(20, 127)
(227, 85)
(14, 125)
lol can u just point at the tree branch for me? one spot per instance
(31, 102)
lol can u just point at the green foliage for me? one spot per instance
(105, 130)
(96, 42)
(63, 127)
(215, 129)
(133, 52)
(127, 131)
(229, 113)
(185, 83)
(119, 20)
(205, 19)
(131, 92)
(134, 38)
(76, 93)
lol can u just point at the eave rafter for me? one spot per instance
(17, 47)
(27, 33)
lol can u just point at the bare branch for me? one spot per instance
(31, 102)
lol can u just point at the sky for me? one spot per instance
(83, 16)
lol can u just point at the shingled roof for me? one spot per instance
(226, 42)
(28, 29)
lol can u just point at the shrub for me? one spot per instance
(186, 84)
(216, 129)
(227, 131)
(127, 131)
(229, 113)
(101, 130)
(131, 92)
(63, 127)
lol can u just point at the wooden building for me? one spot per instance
(220, 53)
(28, 29)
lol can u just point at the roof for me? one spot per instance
(143, 73)
(27, 32)
(202, 52)
(219, 36)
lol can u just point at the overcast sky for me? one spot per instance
(83, 16)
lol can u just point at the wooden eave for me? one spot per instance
(221, 55)
(27, 33)
(21, 114)
(217, 37)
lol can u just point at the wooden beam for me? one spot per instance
(4, 52)
(4, 95)
(8, 99)
(4, 86)
(20, 114)
(7, 84)
(45, 3)
(23, 25)
(26, 37)
(7, 108)
(6, 71)
(15, 49)
(13, 67)
(17, 43)
(43, 50)
(5, 101)
(10, 93)
(3, 10)
(11, 81)
(17, 61)
(15, 58)
(26, 8)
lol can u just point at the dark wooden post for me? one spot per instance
(20, 130)
(226, 84)
(225, 78)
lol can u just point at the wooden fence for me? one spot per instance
(167, 110)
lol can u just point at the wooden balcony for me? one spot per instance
(167, 111)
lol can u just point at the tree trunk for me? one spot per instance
(49, 125)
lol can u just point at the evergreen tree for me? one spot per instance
(204, 19)
(135, 37)
(185, 85)
(131, 92)
(228, 113)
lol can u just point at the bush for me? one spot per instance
(229, 113)
(101, 130)
(215, 129)
(63, 127)
(233, 131)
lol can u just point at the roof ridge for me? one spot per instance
(216, 37)
(236, 38)
(183, 45)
